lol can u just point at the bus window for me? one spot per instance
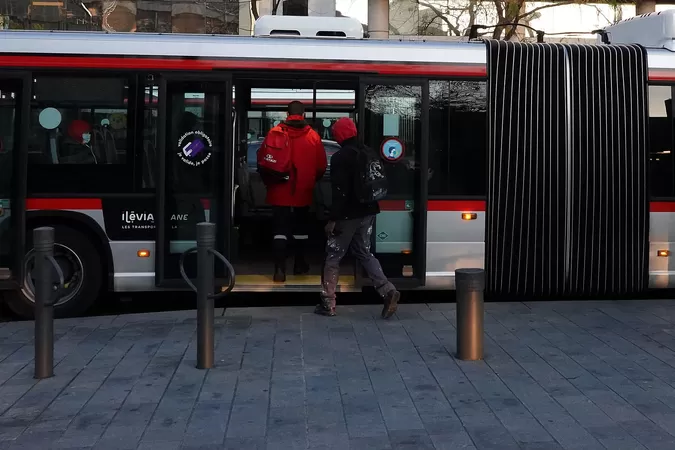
(8, 112)
(457, 143)
(150, 113)
(661, 141)
(78, 121)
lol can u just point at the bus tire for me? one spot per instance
(83, 271)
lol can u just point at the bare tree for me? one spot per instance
(459, 16)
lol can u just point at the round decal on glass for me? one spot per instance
(392, 149)
(194, 148)
(50, 118)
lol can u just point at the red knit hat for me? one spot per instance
(344, 129)
(77, 128)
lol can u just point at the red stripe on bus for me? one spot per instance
(112, 62)
(437, 205)
(64, 203)
(662, 207)
(456, 205)
(385, 205)
(392, 205)
(480, 206)
(662, 75)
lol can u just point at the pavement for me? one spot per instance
(556, 375)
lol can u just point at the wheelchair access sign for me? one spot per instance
(392, 149)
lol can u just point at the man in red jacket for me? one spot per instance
(291, 200)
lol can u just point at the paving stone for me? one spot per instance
(370, 443)
(454, 441)
(556, 375)
(256, 443)
(410, 440)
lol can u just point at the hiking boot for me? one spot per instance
(300, 267)
(390, 304)
(324, 310)
(279, 275)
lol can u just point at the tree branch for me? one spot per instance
(539, 8)
(440, 15)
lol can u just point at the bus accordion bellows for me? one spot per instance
(549, 165)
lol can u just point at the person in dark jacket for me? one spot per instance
(350, 225)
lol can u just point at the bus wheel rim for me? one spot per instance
(74, 282)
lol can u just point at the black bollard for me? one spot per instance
(43, 242)
(206, 241)
(470, 284)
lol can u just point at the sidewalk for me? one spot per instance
(561, 375)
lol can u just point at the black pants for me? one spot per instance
(290, 223)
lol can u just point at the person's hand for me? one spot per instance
(329, 228)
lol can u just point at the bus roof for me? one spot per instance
(173, 51)
(223, 46)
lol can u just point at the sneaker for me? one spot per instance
(390, 304)
(324, 310)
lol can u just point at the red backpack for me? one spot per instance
(274, 156)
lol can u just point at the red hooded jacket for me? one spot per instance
(309, 165)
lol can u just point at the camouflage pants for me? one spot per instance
(353, 235)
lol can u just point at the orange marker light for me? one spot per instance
(663, 253)
(469, 216)
(143, 253)
(406, 252)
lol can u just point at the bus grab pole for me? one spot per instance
(43, 242)
(206, 241)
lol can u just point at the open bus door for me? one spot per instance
(15, 92)
(393, 120)
(195, 169)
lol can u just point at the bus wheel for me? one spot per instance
(82, 271)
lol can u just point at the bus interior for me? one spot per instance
(258, 104)
(255, 115)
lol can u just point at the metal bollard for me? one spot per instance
(470, 285)
(43, 242)
(206, 241)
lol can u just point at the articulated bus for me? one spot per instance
(125, 200)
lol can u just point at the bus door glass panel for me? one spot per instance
(393, 127)
(195, 177)
(14, 108)
(10, 92)
(331, 105)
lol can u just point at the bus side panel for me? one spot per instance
(89, 220)
(661, 237)
(135, 274)
(452, 241)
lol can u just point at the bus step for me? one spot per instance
(5, 273)
(310, 283)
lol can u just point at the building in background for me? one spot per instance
(163, 16)
(406, 17)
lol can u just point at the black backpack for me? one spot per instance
(370, 183)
